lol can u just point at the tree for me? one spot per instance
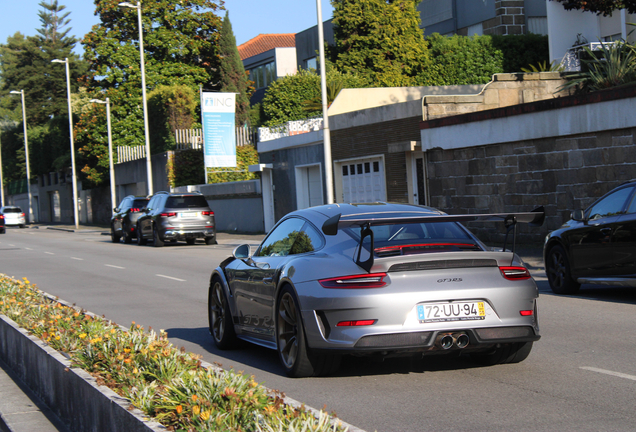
(380, 40)
(599, 7)
(233, 76)
(180, 48)
(287, 98)
(26, 64)
(170, 108)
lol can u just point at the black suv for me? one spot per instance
(124, 221)
(176, 216)
(596, 246)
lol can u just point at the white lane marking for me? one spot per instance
(11, 244)
(170, 277)
(49, 253)
(28, 249)
(79, 259)
(608, 372)
(114, 266)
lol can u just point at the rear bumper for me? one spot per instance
(182, 234)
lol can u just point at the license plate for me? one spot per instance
(455, 311)
(190, 215)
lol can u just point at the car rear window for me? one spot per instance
(12, 210)
(140, 203)
(420, 237)
(187, 201)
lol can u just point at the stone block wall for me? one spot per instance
(504, 90)
(509, 19)
(561, 174)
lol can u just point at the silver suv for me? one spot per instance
(176, 216)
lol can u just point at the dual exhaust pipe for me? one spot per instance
(447, 341)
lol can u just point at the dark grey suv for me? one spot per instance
(176, 216)
(124, 220)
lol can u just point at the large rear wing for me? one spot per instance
(366, 221)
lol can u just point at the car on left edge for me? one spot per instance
(2, 228)
(123, 223)
(13, 216)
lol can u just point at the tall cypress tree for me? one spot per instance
(233, 75)
(380, 40)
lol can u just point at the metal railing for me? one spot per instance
(129, 153)
(193, 138)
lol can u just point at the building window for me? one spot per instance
(311, 63)
(263, 75)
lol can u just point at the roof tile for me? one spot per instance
(266, 42)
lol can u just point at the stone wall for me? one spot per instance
(504, 90)
(561, 171)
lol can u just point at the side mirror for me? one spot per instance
(242, 252)
(116, 209)
(578, 215)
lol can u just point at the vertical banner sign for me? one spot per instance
(219, 133)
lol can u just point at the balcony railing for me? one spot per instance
(571, 61)
(290, 128)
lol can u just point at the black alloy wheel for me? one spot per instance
(220, 317)
(291, 344)
(141, 241)
(155, 235)
(557, 268)
(114, 237)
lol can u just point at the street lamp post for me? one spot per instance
(26, 154)
(325, 115)
(70, 126)
(110, 151)
(143, 91)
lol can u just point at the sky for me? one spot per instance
(249, 18)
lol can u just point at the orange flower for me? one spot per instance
(179, 409)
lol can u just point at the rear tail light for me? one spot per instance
(373, 280)
(526, 312)
(172, 214)
(356, 323)
(23, 214)
(515, 273)
(1, 216)
(135, 210)
(207, 213)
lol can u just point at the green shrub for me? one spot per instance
(463, 60)
(520, 51)
(167, 384)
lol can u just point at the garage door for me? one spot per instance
(363, 181)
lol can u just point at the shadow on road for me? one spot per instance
(267, 360)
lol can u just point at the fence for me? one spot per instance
(129, 153)
(192, 138)
(290, 128)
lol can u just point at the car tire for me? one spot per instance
(210, 241)
(141, 241)
(190, 241)
(155, 235)
(557, 268)
(293, 352)
(506, 353)
(219, 316)
(114, 237)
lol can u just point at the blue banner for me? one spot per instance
(219, 133)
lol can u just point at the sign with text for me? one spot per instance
(219, 134)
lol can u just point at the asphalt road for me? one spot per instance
(581, 376)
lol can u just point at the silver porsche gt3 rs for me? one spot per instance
(376, 279)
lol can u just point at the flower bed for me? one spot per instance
(169, 385)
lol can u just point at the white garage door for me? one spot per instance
(363, 180)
